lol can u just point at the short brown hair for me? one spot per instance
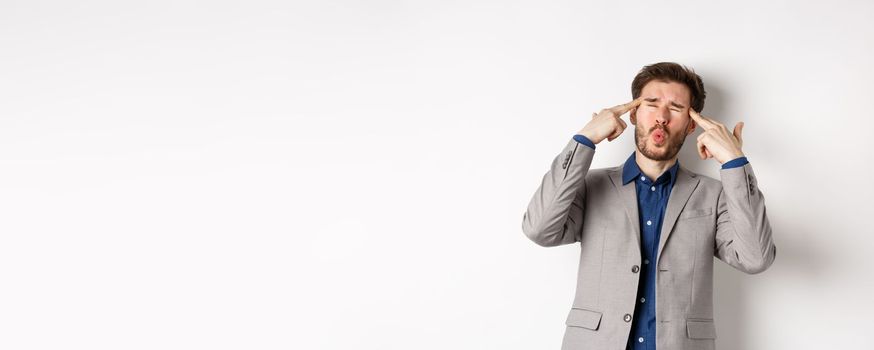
(671, 72)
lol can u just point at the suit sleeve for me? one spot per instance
(743, 233)
(555, 213)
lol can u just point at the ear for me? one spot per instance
(691, 128)
(633, 116)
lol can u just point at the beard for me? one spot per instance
(667, 151)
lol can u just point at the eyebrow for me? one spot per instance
(654, 99)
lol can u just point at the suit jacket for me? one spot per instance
(704, 218)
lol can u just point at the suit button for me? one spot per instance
(627, 318)
(635, 268)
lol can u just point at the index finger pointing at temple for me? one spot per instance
(701, 120)
(623, 108)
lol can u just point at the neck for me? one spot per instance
(653, 168)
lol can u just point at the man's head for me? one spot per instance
(662, 120)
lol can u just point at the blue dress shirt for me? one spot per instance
(652, 202)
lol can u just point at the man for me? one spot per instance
(648, 229)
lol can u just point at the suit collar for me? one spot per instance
(630, 170)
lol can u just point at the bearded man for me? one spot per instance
(649, 229)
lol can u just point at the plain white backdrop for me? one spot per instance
(353, 174)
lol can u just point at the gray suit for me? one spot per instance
(704, 218)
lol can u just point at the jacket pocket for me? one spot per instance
(700, 329)
(584, 318)
(695, 212)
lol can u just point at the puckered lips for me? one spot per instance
(658, 136)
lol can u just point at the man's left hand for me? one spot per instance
(716, 141)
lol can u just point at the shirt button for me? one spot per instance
(635, 268)
(627, 318)
(642, 300)
(652, 188)
(642, 178)
(646, 262)
(648, 223)
(640, 340)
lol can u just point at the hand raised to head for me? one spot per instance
(716, 141)
(608, 122)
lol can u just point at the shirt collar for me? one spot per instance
(630, 170)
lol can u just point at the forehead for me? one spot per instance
(670, 91)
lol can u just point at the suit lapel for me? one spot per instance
(680, 193)
(628, 196)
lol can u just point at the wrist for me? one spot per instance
(734, 156)
(589, 136)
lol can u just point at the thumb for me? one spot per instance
(737, 132)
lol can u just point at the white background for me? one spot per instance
(352, 174)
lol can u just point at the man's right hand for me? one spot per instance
(607, 123)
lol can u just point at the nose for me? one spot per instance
(663, 116)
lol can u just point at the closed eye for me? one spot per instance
(673, 109)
